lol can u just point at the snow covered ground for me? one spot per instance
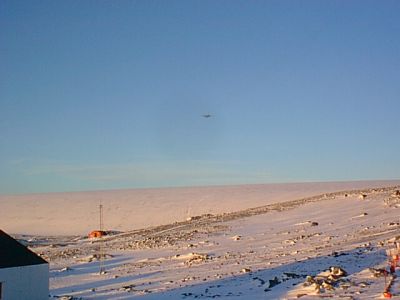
(77, 213)
(279, 250)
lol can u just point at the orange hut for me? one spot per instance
(97, 234)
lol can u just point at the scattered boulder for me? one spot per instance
(394, 224)
(378, 272)
(328, 286)
(273, 282)
(393, 200)
(95, 257)
(292, 275)
(337, 271)
(360, 216)
(393, 240)
(67, 297)
(326, 281)
(192, 258)
(311, 223)
(128, 288)
(290, 242)
(193, 218)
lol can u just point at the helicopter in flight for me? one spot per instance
(206, 116)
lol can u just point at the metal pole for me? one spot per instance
(101, 250)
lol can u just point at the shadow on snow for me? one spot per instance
(89, 267)
(273, 283)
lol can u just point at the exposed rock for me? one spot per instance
(394, 224)
(378, 272)
(394, 239)
(393, 200)
(192, 258)
(273, 282)
(326, 281)
(292, 275)
(337, 271)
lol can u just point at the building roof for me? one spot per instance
(14, 254)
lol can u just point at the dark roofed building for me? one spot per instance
(14, 254)
(23, 274)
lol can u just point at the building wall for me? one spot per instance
(27, 282)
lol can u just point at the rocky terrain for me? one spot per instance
(332, 245)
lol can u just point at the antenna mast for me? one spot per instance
(101, 216)
(101, 248)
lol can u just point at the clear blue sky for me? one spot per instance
(110, 94)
